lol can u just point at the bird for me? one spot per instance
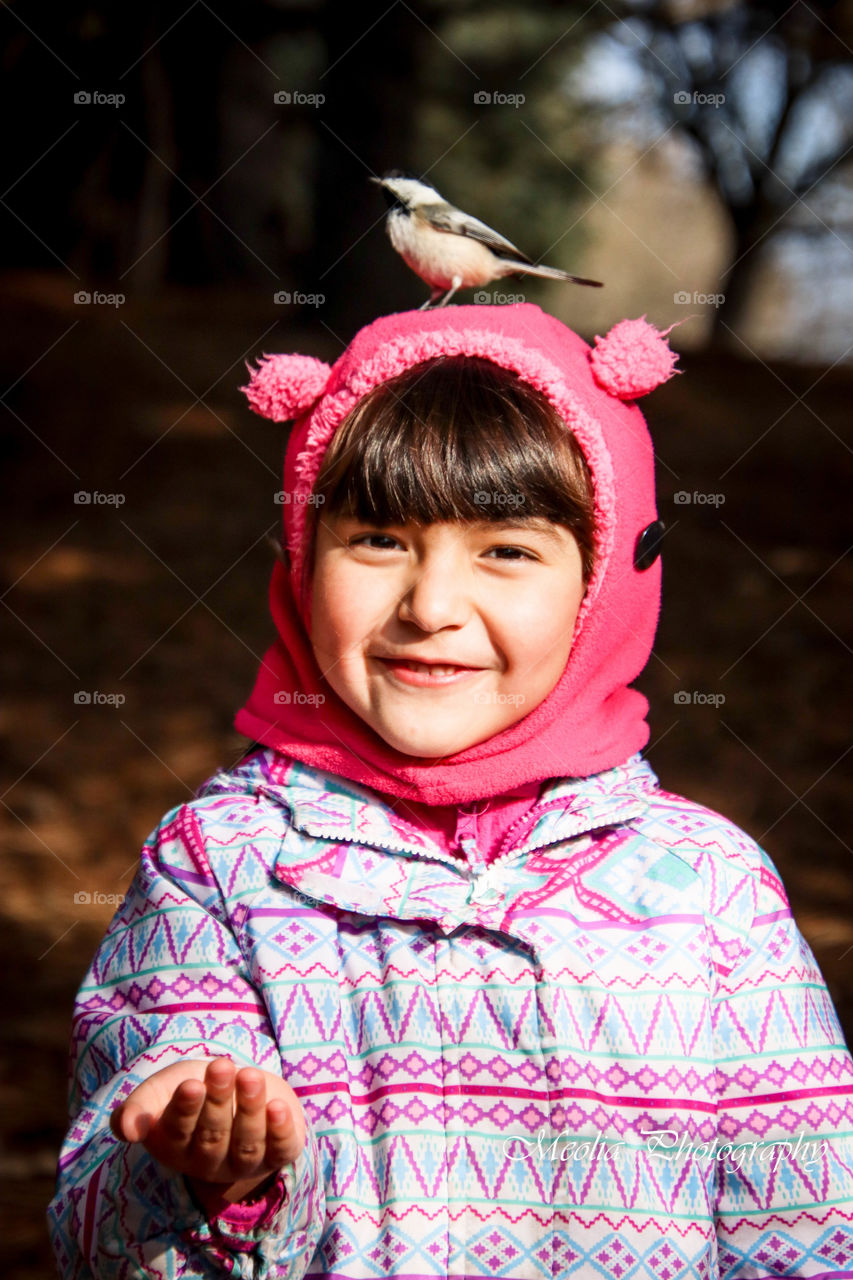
(447, 248)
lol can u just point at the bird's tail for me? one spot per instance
(548, 273)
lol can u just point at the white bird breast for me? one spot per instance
(440, 257)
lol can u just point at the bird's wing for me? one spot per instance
(444, 217)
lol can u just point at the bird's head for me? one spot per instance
(404, 191)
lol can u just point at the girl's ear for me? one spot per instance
(286, 386)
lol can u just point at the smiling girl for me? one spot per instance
(438, 612)
(438, 981)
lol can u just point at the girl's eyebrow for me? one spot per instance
(521, 524)
(533, 524)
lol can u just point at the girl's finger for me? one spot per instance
(176, 1125)
(212, 1135)
(282, 1142)
(130, 1123)
(248, 1132)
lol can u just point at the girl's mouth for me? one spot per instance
(412, 672)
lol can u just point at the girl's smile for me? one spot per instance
(439, 636)
(422, 671)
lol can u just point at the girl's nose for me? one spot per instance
(437, 597)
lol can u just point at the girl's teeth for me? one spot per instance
(433, 668)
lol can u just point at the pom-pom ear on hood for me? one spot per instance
(632, 359)
(284, 386)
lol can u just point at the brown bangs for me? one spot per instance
(457, 438)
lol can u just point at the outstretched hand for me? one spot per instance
(214, 1123)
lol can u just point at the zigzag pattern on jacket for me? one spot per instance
(608, 1054)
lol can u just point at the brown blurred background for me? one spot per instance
(200, 175)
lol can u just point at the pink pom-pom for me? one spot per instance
(284, 387)
(632, 359)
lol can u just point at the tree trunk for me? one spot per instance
(366, 125)
(751, 227)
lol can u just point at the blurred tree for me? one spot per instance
(109, 188)
(765, 93)
(366, 127)
(245, 134)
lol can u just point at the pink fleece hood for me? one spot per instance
(591, 720)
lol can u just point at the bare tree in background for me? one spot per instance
(765, 92)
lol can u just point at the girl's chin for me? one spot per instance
(406, 723)
(436, 745)
(429, 751)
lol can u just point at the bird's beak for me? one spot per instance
(379, 181)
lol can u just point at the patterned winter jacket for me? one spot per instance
(607, 1054)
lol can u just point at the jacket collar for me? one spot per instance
(332, 808)
(329, 807)
(343, 846)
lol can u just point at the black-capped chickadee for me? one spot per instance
(447, 248)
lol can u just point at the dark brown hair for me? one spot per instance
(457, 438)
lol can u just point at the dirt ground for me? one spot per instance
(160, 599)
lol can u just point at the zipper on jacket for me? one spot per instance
(480, 865)
(321, 833)
(474, 870)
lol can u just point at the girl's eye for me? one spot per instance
(511, 553)
(376, 541)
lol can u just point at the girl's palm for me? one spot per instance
(206, 1119)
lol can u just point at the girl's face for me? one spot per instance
(439, 636)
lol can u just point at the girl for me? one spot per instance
(438, 981)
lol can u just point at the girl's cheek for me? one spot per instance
(325, 620)
(348, 606)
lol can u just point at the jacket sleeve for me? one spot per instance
(169, 982)
(784, 1166)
